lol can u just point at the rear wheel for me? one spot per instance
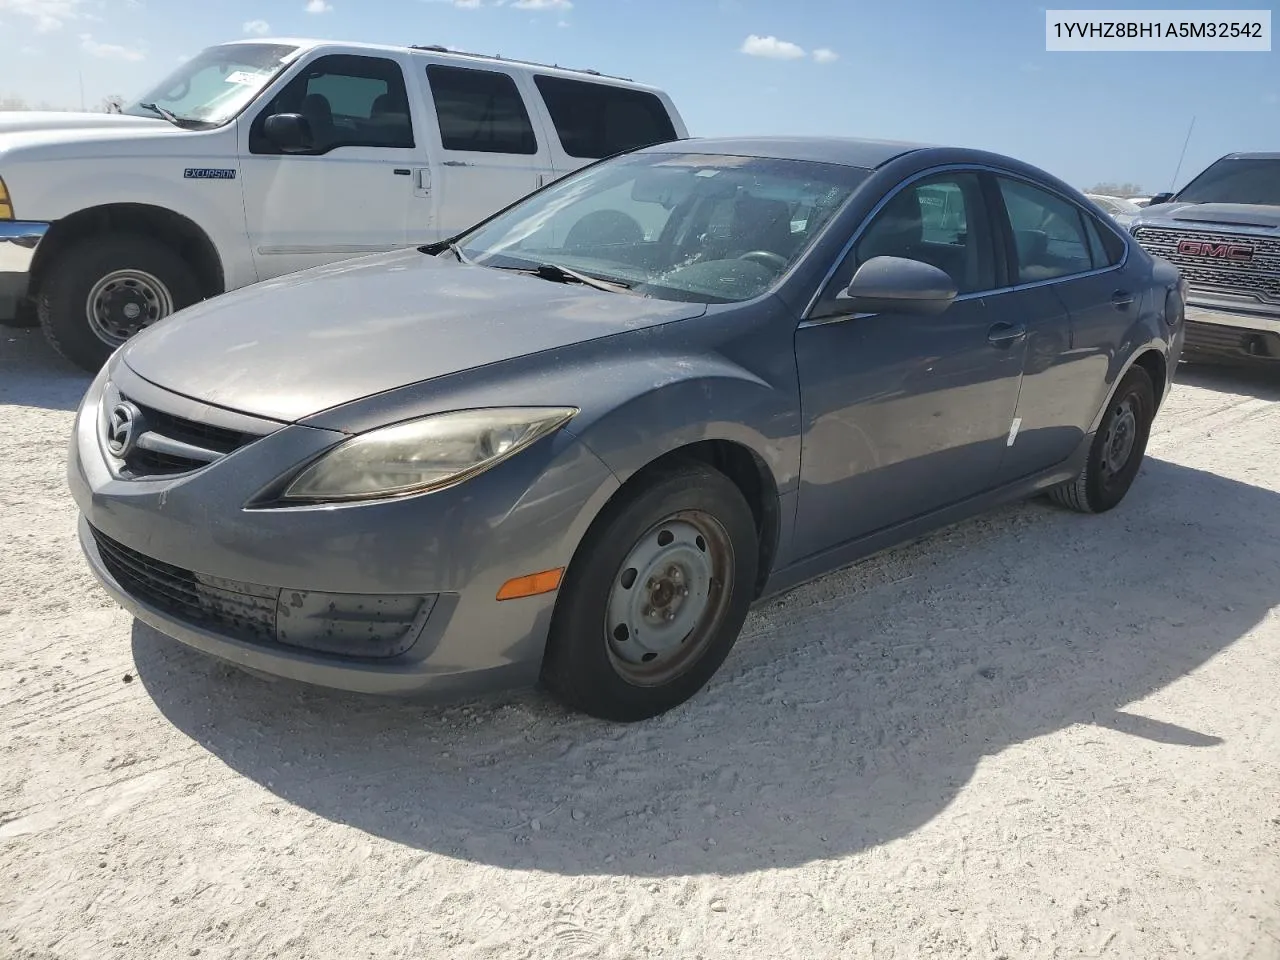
(655, 597)
(105, 289)
(1117, 450)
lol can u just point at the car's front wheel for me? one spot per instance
(1117, 450)
(655, 596)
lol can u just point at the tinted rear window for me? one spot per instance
(1236, 181)
(595, 120)
(480, 111)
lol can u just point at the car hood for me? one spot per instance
(289, 348)
(1233, 214)
(23, 121)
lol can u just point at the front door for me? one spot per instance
(361, 185)
(490, 154)
(905, 413)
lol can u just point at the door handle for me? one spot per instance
(1005, 333)
(1121, 299)
(401, 171)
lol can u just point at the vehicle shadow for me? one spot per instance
(850, 714)
(1255, 380)
(33, 375)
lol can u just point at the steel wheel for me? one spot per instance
(124, 302)
(669, 598)
(1120, 438)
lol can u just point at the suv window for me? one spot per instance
(940, 220)
(595, 120)
(480, 111)
(348, 101)
(1048, 232)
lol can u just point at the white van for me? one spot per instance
(259, 158)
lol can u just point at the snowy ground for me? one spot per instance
(1033, 735)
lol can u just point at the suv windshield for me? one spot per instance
(214, 86)
(1235, 181)
(696, 227)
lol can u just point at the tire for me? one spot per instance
(688, 518)
(151, 279)
(1105, 480)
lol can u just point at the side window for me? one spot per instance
(480, 111)
(348, 101)
(595, 120)
(1048, 232)
(1105, 247)
(941, 220)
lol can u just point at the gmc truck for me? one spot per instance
(1222, 231)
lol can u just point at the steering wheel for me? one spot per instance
(766, 258)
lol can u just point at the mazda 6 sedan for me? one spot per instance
(577, 442)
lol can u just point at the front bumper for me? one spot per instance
(451, 550)
(19, 240)
(1213, 331)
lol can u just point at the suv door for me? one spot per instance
(489, 154)
(906, 413)
(1065, 256)
(597, 120)
(353, 192)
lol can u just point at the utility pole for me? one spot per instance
(1174, 182)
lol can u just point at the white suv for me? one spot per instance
(260, 158)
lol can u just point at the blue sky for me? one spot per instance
(943, 71)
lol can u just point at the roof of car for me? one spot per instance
(1252, 156)
(848, 151)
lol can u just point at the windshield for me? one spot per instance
(694, 227)
(214, 86)
(1236, 181)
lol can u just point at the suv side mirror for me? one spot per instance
(1160, 198)
(289, 131)
(899, 285)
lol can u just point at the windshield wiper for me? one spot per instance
(457, 252)
(169, 115)
(559, 274)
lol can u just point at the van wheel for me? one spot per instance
(1117, 449)
(103, 290)
(655, 596)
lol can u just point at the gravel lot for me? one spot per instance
(1033, 735)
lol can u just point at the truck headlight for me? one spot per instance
(421, 455)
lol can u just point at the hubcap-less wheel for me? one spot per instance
(1122, 433)
(124, 302)
(668, 598)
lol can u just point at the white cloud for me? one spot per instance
(319, 6)
(108, 51)
(49, 15)
(466, 4)
(825, 55)
(258, 28)
(771, 48)
(543, 4)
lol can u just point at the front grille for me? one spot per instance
(167, 444)
(344, 625)
(1258, 277)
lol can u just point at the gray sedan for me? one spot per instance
(577, 442)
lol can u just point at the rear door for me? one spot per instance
(596, 120)
(354, 192)
(487, 150)
(1075, 301)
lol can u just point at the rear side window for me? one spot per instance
(1105, 247)
(347, 101)
(480, 111)
(595, 120)
(1049, 232)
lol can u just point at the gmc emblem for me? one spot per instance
(1218, 251)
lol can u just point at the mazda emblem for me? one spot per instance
(123, 426)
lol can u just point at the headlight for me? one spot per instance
(425, 454)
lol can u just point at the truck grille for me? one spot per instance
(350, 625)
(1258, 277)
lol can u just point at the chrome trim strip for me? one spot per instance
(18, 242)
(159, 443)
(966, 168)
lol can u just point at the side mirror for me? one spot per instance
(289, 131)
(1160, 198)
(899, 285)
